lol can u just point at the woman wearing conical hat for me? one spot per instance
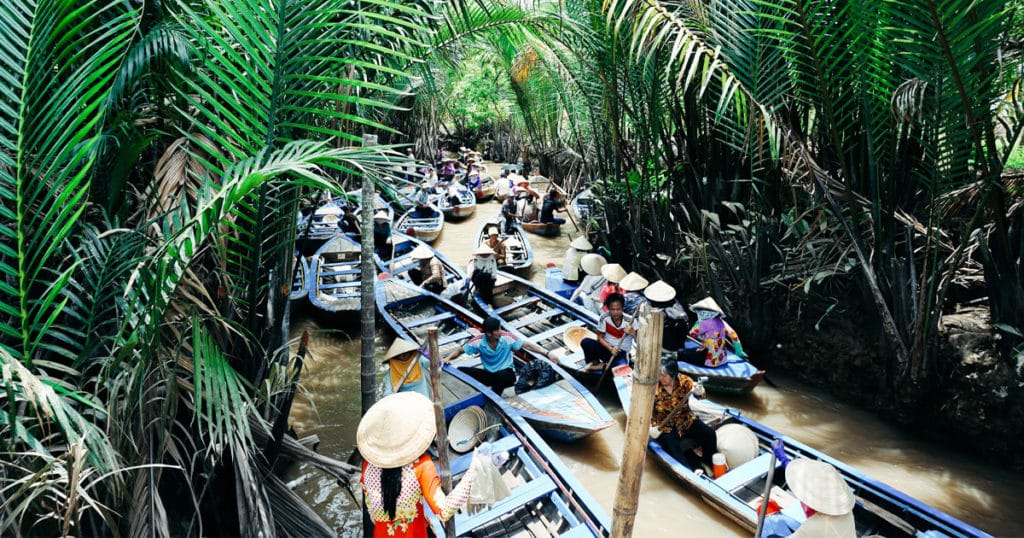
(382, 234)
(393, 437)
(826, 499)
(613, 273)
(429, 272)
(408, 369)
(482, 272)
(573, 257)
(633, 286)
(587, 292)
(663, 297)
(712, 333)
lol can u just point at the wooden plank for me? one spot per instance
(513, 306)
(536, 317)
(522, 495)
(743, 474)
(432, 319)
(556, 331)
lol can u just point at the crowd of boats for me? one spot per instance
(543, 498)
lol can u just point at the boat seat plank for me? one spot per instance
(453, 338)
(536, 317)
(336, 285)
(517, 304)
(556, 331)
(505, 444)
(428, 320)
(579, 531)
(743, 474)
(521, 495)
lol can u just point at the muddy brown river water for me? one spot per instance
(979, 492)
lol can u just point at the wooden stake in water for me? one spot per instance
(444, 469)
(638, 421)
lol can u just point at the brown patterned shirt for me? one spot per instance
(665, 402)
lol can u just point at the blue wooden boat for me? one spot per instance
(425, 226)
(379, 204)
(564, 410)
(400, 265)
(545, 498)
(299, 294)
(334, 283)
(541, 317)
(582, 204)
(880, 510)
(320, 226)
(465, 208)
(734, 376)
(518, 252)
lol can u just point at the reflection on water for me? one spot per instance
(977, 492)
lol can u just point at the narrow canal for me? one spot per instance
(980, 493)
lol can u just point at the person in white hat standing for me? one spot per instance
(482, 272)
(663, 297)
(393, 437)
(408, 369)
(826, 499)
(573, 257)
(712, 334)
(586, 293)
(633, 286)
(382, 234)
(429, 272)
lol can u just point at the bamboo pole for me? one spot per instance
(444, 469)
(367, 308)
(638, 421)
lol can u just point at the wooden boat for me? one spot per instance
(487, 188)
(424, 227)
(541, 317)
(466, 207)
(546, 229)
(564, 410)
(400, 265)
(318, 227)
(518, 252)
(545, 498)
(299, 295)
(378, 203)
(582, 203)
(335, 275)
(880, 510)
(734, 376)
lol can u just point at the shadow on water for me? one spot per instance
(980, 493)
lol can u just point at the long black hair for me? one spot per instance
(390, 488)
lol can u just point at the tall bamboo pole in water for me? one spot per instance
(442, 429)
(367, 308)
(638, 421)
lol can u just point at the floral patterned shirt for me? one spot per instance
(665, 401)
(419, 481)
(712, 334)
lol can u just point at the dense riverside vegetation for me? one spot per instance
(840, 159)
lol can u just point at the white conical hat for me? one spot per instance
(400, 346)
(396, 430)
(820, 486)
(381, 215)
(633, 282)
(592, 264)
(737, 443)
(483, 250)
(421, 252)
(613, 272)
(660, 292)
(581, 243)
(707, 303)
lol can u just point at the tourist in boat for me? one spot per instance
(633, 285)
(586, 294)
(529, 208)
(473, 182)
(408, 369)
(712, 334)
(826, 499)
(349, 223)
(429, 272)
(674, 425)
(495, 348)
(508, 211)
(421, 199)
(615, 335)
(497, 244)
(663, 297)
(447, 171)
(482, 272)
(393, 437)
(613, 273)
(552, 202)
(578, 248)
(454, 193)
(382, 234)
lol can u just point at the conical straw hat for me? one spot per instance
(737, 443)
(464, 427)
(421, 252)
(400, 346)
(381, 215)
(592, 264)
(396, 430)
(820, 486)
(707, 303)
(574, 335)
(581, 243)
(613, 272)
(660, 292)
(633, 282)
